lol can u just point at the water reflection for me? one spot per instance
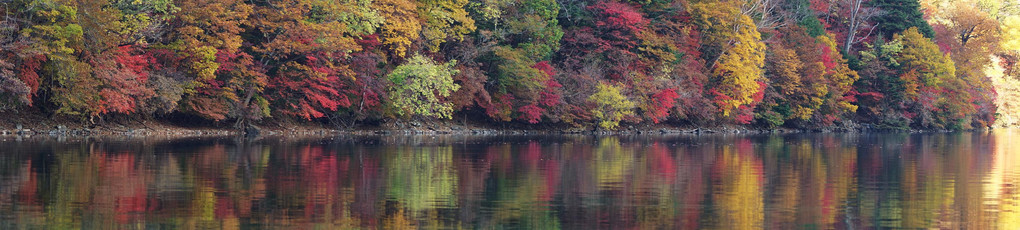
(830, 181)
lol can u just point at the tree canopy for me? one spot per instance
(580, 64)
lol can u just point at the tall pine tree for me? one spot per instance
(900, 15)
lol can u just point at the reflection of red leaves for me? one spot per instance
(224, 208)
(663, 163)
(134, 205)
(532, 153)
(551, 171)
(29, 187)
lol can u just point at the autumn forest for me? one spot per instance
(891, 64)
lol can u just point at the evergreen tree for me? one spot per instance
(900, 15)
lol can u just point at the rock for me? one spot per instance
(252, 131)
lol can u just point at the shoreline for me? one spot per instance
(36, 124)
(306, 130)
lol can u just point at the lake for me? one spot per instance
(797, 181)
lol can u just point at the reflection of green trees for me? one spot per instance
(74, 177)
(518, 195)
(951, 181)
(811, 180)
(422, 178)
(935, 183)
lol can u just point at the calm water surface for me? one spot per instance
(816, 181)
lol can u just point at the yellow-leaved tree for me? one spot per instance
(735, 52)
(401, 27)
(610, 106)
(972, 36)
(941, 99)
(444, 19)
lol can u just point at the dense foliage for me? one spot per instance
(593, 64)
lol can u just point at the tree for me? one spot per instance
(19, 79)
(610, 106)
(420, 85)
(520, 79)
(900, 15)
(922, 55)
(972, 35)
(920, 88)
(57, 38)
(203, 27)
(306, 46)
(206, 33)
(444, 19)
(401, 27)
(519, 84)
(13, 92)
(934, 75)
(733, 42)
(783, 67)
(840, 79)
(858, 19)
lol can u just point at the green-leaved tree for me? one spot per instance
(420, 85)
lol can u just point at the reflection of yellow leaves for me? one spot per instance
(205, 203)
(398, 221)
(1004, 178)
(740, 196)
(231, 223)
(840, 182)
(612, 162)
